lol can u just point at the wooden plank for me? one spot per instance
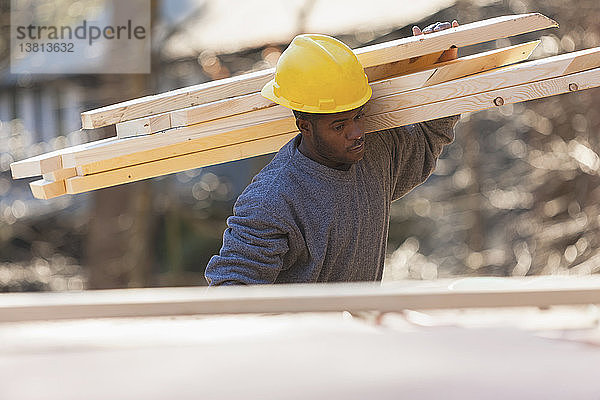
(151, 169)
(530, 91)
(437, 73)
(450, 71)
(173, 100)
(402, 67)
(194, 115)
(34, 166)
(482, 62)
(45, 190)
(502, 78)
(515, 94)
(60, 174)
(212, 134)
(442, 294)
(464, 35)
(220, 109)
(48, 162)
(136, 127)
(369, 56)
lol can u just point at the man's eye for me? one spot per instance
(339, 128)
(359, 116)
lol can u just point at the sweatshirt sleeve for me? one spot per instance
(254, 244)
(414, 150)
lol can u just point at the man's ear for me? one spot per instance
(304, 126)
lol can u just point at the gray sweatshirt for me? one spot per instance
(300, 221)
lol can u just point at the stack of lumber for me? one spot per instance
(228, 119)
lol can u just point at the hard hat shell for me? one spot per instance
(318, 74)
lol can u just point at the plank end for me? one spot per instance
(549, 21)
(44, 190)
(87, 122)
(25, 169)
(50, 164)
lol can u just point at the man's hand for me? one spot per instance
(448, 55)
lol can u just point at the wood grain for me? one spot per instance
(35, 166)
(48, 162)
(217, 133)
(501, 78)
(464, 35)
(60, 174)
(43, 189)
(171, 165)
(145, 126)
(482, 62)
(515, 94)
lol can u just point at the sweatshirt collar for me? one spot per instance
(311, 165)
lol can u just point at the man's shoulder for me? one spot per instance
(274, 179)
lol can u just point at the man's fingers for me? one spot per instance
(440, 26)
(437, 27)
(429, 28)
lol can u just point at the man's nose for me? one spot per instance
(356, 132)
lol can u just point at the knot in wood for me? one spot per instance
(499, 101)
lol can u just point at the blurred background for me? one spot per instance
(516, 194)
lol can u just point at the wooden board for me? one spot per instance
(437, 73)
(403, 67)
(60, 174)
(173, 100)
(45, 190)
(482, 62)
(544, 88)
(136, 127)
(515, 94)
(464, 35)
(384, 53)
(171, 165)
(193, 115)
(449, 72)
(212, 134)
(442, 294)
(501, 78)
(35, 166)
(47, 162)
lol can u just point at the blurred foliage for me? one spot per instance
(516, 194)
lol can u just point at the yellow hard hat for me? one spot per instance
(318, 74)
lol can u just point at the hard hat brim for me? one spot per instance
(269, 93)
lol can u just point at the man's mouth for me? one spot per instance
(358, 146)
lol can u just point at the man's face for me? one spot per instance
(337, 140)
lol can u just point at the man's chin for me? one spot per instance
(356, 154)
(354, 158)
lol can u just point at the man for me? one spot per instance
(319, 211)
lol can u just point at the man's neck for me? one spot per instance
(313, 155)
